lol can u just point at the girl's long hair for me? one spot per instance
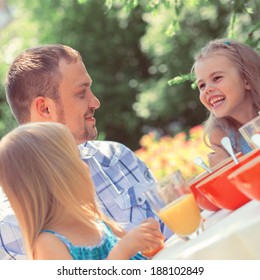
(247, 61)
(43, 176)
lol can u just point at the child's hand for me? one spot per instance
(150, 252)
(145, 237)
(217, 156)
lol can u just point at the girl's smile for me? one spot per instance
(223, 90)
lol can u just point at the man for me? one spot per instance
(51, 83)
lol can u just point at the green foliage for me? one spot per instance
(138, 53)
(18, 35)
(8, 122)
(198, 22)
(148, 5)
(180, 79)
(109, 44)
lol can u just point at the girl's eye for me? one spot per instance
(217, 78)
(201, 86)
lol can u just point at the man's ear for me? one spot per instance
(40, 108)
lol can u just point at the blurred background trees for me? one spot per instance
(132, 49)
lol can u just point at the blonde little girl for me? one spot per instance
(52, 195)
(228, 78)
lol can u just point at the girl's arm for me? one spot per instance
(219, 153)
(146, 235)
(49, 247)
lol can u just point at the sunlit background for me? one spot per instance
(132, 49)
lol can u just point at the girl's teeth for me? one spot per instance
(216, 100)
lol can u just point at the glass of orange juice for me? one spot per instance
(176, 206)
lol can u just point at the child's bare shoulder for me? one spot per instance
(50, 247)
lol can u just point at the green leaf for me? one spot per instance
(180, 79)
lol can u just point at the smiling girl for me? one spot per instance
(228, 78)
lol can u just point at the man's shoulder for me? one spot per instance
(107, 145)
(109, 148)
(5, 207)
(109, 152)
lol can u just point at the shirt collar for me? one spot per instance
(87, 150)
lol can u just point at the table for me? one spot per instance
(227, 235)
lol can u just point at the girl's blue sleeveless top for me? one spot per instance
(97, 252)
(242, 144)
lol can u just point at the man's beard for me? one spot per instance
(79, 137)
(85, 136)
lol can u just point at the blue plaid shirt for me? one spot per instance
(120, 179)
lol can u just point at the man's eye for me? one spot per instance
(82, 95)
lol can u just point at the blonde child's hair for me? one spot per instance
(42, 175)
(247, 61)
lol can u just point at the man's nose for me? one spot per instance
(94, 103)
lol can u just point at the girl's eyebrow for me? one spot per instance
(211, 74)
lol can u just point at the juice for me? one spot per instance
(182, 216)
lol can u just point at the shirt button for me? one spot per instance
(148, 176)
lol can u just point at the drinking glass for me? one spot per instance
(175, 204)
(249, 129)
